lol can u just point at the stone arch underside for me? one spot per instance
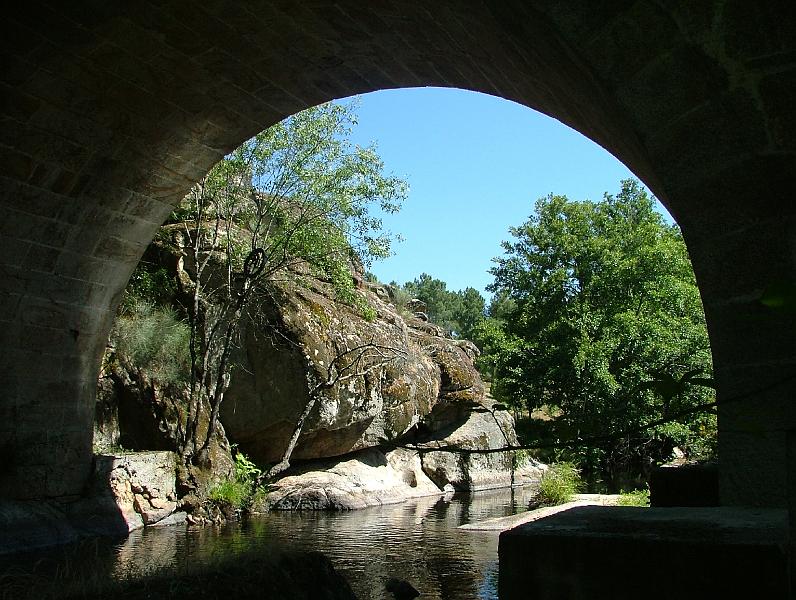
(110, 111)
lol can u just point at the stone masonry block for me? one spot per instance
(753, 469)
(625, 553)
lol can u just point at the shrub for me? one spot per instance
(558, 484)
(232, 492)
(245, 470)
(149, 283)
(240, 489)
(155, 341)
(634, 498)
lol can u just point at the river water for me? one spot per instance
(418, 541)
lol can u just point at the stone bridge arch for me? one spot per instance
(110, 111)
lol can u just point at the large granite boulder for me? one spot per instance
(372, 376)
(303, 336)
(484, 428)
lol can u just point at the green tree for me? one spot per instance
(501, 306)
(603, 311)
(458, 312)
(469, 312)
(441, 304)
(492, 340)
(296, 197)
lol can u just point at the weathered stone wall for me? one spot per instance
(111, 111)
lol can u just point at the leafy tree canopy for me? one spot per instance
(597, 314)
(301, 191)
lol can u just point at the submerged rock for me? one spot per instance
(401, 589)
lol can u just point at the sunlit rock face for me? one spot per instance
(483, 428)
(376, 476)
(420, 390)
(305, 337)
(365, 478)
(128, 490)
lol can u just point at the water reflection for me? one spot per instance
(417, 541)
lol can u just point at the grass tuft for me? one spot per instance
(634, 498)
(558, 484)
(154, 340)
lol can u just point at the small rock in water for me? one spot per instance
(401, 589)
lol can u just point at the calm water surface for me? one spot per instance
(417, 541)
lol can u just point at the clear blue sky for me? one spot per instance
(475, 165)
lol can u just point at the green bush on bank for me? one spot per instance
(634, 498)
(559, 484)
(239, 490)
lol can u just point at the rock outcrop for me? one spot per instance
(373, 477)
(374, 378)
(366, 478)
(136, 413)
(126, 492)
(484, 428)
(399, 369)
(131, 490)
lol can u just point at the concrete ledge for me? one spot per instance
(507, 522)
(597, 552)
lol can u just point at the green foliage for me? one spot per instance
(634, 498)
(155, 341)
(239, 490)
(150, 284)
(468, 312)
(301, 191)
(245, 469)
(459, 312)
(601, 319)
(491, 338)
(559, 484)
(232, 492)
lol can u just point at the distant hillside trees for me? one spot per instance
(458, 312)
